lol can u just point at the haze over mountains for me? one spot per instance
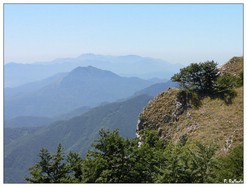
(129, 65)
(83, 86)
(68, 100)
(76, 133)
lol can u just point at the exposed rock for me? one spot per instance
(228, 143)
(233, 66)
(167, 118)
(213, 122)
(183, 139)
(140, 125)
(179, 108)
(160, 131)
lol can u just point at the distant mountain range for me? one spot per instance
(130, 65)
(83, 86)
(44, 107)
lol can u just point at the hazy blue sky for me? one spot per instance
(178, 33)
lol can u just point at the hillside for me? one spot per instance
(233, 66)
(76, 134)
(214, 122)
(83, 86)
(27, 121)
(157, 88)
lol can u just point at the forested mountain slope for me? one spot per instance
(76, 134)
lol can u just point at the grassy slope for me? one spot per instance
(213, 123)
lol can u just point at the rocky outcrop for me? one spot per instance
(213, 122)
(233, 66)
(163, 110)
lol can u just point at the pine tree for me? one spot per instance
(50, 168)
(198, 77)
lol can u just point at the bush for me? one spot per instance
(203, 79)
(119, 160)
(198, 77)
(189, 97)
(184, 164)
(240, 80)
(231, 166)
(225, 85)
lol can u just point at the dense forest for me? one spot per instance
(115, 159)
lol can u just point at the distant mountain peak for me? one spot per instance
(80, 68)
(88, 74)
(89, 69)
(90, 56)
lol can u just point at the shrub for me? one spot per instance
(225, 85)
(198, 77)
(231, 166)
(189, 97)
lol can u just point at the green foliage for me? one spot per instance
(202, 163)
(115, 159)
(196, 80)
(203, 79)
(109, 162)
(225, 85)
(198, 77)
(231, 166)
(119, 160)
(151, 139)
(148, 156)
(188, 165)
(74, 168)
(54, 169)
(241, 79)
(74, 134)
(50, 168)
(189, 97)
(171, 170)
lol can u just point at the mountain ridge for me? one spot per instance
(83, 86)
(142, 67)
(214, 122)
(76, 133)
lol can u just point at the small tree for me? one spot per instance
(50, 168)
(119, 160)
(198, 77)
(74, 167)
(185, 165)
(40, 172)
(202, 163)
(231, 165)
(108, 163)
(55, 169)
(225, 85)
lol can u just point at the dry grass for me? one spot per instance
(164, 103)
(233, 66)
(219, 123)
(214, 122)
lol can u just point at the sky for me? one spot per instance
(177, 33)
